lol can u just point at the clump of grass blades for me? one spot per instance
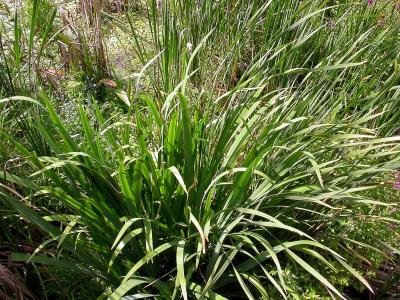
(81, 42)
(202, 200)
(17, 53)
(181, 198)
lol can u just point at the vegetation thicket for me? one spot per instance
(199, 149)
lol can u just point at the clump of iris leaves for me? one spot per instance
(250, 155)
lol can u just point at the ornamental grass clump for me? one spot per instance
(205, 187)
(204, 203)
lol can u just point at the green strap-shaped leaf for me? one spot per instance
(180, 263)
(147, 258)
(125, 287)
(314, 273)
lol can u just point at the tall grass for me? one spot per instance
(81, 42)
(266, 121)
(194, 208)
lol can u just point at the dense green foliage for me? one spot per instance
(242, 158)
